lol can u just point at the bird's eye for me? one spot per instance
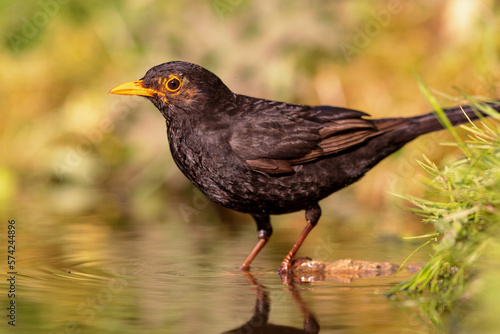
(173, 84)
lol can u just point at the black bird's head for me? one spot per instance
(178, 88)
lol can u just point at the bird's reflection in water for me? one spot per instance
(258, 323)
(308, 270)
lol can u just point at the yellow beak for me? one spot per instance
(133, 88)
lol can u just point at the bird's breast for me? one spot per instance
(204, 156)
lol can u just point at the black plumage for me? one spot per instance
(265, 157)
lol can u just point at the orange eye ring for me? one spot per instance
(173, 84)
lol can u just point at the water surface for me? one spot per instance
(89, 277)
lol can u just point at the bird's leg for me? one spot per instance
(264, 231)
(312, 216)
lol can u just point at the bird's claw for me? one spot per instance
(285, 271)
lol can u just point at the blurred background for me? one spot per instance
(88, 176)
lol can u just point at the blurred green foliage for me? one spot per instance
(463, 205)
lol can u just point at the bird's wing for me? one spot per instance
(284, 135)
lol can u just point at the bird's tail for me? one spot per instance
(410, 128)
(394, 133)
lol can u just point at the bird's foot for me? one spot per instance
(285, 271)
(245, 267)
(286, 278)
(285, 268)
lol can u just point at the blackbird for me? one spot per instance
(266, 157)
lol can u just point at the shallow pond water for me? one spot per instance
(88, 277)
